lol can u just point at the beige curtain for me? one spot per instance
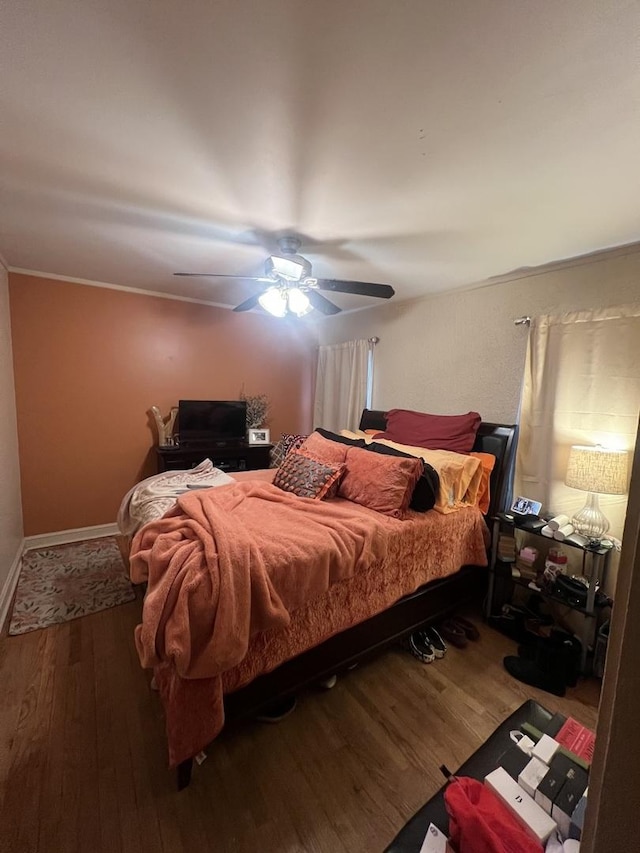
(341, 385)
(581, 386)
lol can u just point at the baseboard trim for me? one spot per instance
(10, 584)
(76, 534)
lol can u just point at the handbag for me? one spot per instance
(479, 822)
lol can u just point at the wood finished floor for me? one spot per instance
(83, 760)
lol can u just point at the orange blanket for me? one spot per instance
(416, 550)
(226, 563)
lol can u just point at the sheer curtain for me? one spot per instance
(581, 386)
(341, 385)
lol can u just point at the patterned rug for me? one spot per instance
(68, 581)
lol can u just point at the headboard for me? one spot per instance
(497, 439)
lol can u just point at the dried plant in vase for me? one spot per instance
(257, 409)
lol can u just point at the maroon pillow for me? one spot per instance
(435, 432)
(381, 482)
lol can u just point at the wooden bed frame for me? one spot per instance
(428, 604)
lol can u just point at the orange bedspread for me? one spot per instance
(228, 562)
(244, 577)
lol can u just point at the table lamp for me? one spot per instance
(596, 470)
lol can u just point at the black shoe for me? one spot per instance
(510, 621)
(277, 710)
(530, 673)
(558, 654)
(437, 643)
(421, 648)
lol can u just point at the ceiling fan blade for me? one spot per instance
(361, 288)
(249, 303)
(321, 303)
(222, 275)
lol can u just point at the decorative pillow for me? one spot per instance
(380, 482)
(435, 432)
(324, 449)
(425, 494)
(307, 477)
(288, 441)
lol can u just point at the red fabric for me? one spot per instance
(380, 482)
(480, 823)
(435, 432)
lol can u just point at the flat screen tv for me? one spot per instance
(212, 421)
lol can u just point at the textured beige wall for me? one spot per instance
(460, 350)
(10, 503)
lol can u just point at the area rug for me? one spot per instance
(68, 581)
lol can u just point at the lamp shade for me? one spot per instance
(274, 301)
(298, 301)
(597, 469)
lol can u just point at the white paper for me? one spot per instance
(435, 841)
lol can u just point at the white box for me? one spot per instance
(545, 749)
(536, 821)
(532, 775)
(434, 841)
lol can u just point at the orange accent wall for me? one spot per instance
(89, 362)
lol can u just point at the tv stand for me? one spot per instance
(238, 456)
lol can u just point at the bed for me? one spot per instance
(354, 617)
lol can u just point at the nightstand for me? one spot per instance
(596, 561)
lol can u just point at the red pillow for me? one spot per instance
(380, 482)
(323, 448)
(435, 432)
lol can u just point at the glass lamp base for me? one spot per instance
(591, 521)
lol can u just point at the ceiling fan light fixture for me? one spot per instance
(274, 301)
(298, 301)
(293, 268)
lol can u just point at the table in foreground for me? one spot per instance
(483, 761)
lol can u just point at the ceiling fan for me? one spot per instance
(290, 287)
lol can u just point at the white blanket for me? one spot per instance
(156, 495)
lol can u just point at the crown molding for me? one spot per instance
(109, 286)
(142, 292)
(596, 257)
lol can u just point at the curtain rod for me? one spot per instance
(522, 321)
(371, 341)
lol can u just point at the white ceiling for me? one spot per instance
(423, 143)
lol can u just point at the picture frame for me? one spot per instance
(526, 506)
(258, 436)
